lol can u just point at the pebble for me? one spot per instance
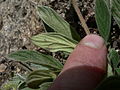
(2, 67)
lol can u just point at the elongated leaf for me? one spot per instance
(37, 67)
(110, 83)
(117, 71)
(54, 42)
(27, 88)
(103, 18)
(114, 58)
(36, 78)
(58, 24)
(109, 71)
(37, 58)
(45, 85)
(108, 3)
(11, 84)
(47, 28)
(116, 11)
(23, 86)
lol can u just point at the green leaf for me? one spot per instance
(45, 85)
(36, 78)
(110, 83)
(103, 18)
(27, 88)
(108, 3)
(117, 70)
(11, 84)
(36, 58)
(54, 42)
(36, 67)
(116, 11)
(109, 71)
(114, 58)
(47, 28)
(58, 24)
(22, 85)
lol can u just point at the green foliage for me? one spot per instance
(103, 18)
(36, 58)
(116, 10)
(40, 78)
(12, 84)
(60, 36)
(117, 70)
(104, 10)
(45, 85)
(54, 42)
(58, 24)
(114, 58)
(36, 78)
(109, 70)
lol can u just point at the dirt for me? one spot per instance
(19, 21)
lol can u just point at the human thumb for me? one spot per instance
(85, 67)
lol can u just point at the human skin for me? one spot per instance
(85, 67)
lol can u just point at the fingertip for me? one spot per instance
(86, 65)
(93, 41)
(90, 51)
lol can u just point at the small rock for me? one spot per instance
(2, 67)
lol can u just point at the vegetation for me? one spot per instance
(60, 36)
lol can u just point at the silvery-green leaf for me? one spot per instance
(54, 42)
(37, 67)
(116, 11)
(27, 88)
(108, 3)
(114, 58)
(58, 24)
(45, 85)
(36, 58)
(11, 84)
(109, 71)
(36, 78)
(117, 70)
(103, 18)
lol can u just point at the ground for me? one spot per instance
(19, 21)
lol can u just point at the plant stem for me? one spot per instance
(84, 25)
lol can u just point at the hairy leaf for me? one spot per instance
(58, 24)
(54, 42)
(36, 78)
(114, 58)
(103, 18)
(11, 84)
(117, 70)
(45, 85)
(37, 58)
(116, 11)
(109, 71)
(27, 88)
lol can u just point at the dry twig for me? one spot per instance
(84, 25)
